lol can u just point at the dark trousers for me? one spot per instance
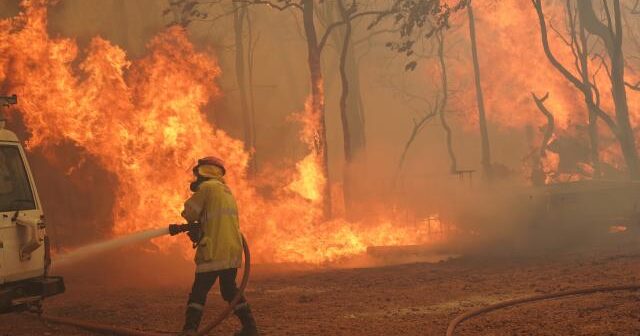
(204, 281)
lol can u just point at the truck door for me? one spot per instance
(20, 218)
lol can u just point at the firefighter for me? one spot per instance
(219, 244)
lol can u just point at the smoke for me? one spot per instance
(512, 65)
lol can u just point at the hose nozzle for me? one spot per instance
(175, 229)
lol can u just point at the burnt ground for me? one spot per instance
(149, 293)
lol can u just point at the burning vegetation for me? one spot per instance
(539, 93)
(142, 120)
(305, 133)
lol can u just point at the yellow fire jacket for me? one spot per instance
(214, 206)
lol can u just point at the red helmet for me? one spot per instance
(212, 161)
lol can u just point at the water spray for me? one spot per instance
(173, 230)
(101, 247)
(112, 244)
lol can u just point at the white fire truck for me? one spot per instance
(24, 245)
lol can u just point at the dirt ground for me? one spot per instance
(149, 293)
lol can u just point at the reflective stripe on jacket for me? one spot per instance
(214, 206)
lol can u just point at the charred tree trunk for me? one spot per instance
(583, 55)
(612, 39)
(355, 107)
(482, 119)
(611, 35)
(580, 46)
(251, 61)
(317, 99)
(551, 124)
(240, 12)
(445, 97)
(537, 171)
(344, 117)
(350, 112)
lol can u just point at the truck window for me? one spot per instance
(15, 190)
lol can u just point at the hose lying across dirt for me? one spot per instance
(472, 313)
(113, 330)
(102, 328)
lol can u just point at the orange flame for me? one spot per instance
(143, 121)
(310, 180)
(513, 65)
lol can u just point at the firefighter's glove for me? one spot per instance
(195, 234)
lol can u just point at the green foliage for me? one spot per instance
(418, 19)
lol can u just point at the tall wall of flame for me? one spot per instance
(142, 120)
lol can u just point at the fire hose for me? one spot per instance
(505, 304)
(114, 330)
(102, 328)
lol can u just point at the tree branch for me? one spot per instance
(564, 39)
(271, 4)
(607, 14)
(592, 23)
(635, 87)
(350, 17)
(545, 44)
(551, 124)
(596, 91)
(599, 112)
(603, 63)
(576, 49)
(616, 12)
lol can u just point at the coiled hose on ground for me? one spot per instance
(473, 313)
(120, 331)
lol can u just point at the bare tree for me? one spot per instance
(251, 44)
(352, 142)
(537, 176)
(352, 43)
(549, 129)
(351, 106)
(611, 36)
(240, 15)
(185, 12)
(453, 167)
(438, 109)
(482, 118)
(421, 20)
(418, 126)
(315, 45)
(580, 47)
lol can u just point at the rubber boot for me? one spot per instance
(245, 316)
(193, 316)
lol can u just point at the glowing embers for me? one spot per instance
(617, 229)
